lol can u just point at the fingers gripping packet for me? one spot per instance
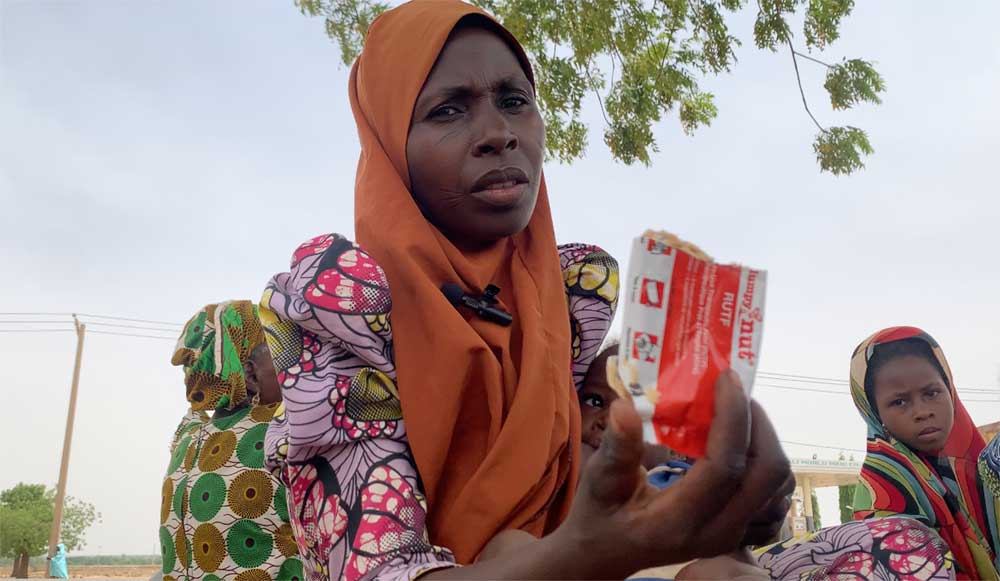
(686, 320)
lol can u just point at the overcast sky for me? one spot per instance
(158, 156)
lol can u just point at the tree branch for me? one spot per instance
(593, 87)
(815, 60)
(802, 92)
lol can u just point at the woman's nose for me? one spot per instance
(495, 135)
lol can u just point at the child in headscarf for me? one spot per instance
(222, 515)
(923, 448)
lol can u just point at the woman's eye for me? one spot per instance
(897, 402)
(594, 401)
(513, 102)
(444, 112)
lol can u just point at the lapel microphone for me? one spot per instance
(484, 306)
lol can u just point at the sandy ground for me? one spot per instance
(97, 572)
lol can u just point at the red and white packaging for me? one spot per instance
(686, 320)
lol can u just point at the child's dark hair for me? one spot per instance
(609, 348)
(888, 351)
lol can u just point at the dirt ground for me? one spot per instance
(99, 571)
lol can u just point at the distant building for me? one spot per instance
(811, 474)
(989, 430)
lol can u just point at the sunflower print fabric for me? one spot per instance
(339, 440)
(223, 516)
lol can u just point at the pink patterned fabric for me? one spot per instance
(339, 443)
(886, 549)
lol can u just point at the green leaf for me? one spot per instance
(696, 110)
(839, 149)
(640, 61)
(771, 29)
(823, 18)
(709, 27)
(347, 22)
(852, 82)
(26, 513)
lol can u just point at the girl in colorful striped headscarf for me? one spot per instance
(923, 448)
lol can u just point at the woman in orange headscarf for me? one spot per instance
(482, 433)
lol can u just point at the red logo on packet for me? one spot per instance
(645, 346)
(652, 292)
(657, 247)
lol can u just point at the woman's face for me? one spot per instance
(914, 402)
(476, 142)
(261, 377)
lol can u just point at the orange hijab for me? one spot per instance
(491, 414)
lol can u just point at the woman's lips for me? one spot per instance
(502, 195)
(502, 188)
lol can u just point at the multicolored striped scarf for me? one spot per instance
(945, 491)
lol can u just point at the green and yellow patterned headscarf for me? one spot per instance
(213, 347)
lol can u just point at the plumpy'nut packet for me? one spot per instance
(686, 320)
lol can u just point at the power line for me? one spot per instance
(840, 382)
(795, 388)
(109, 317)
(62, 322)
(36, 330)
(821, 446)
(99, 332)
(37, 314)
(831, 392)
(121, 326)
(806, 378)
(92, 316)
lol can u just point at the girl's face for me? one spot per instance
(914, 402)
(476, 142)
(596, 397)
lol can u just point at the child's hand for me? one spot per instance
(618, 520)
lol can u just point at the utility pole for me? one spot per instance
(81, 329)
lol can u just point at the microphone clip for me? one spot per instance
(490, 295)
(484, 306)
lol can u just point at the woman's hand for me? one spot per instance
(766, 523)
(738, 567)
(654, 455)
(620, 524)
(505, 543)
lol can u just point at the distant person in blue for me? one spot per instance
(57, 563)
